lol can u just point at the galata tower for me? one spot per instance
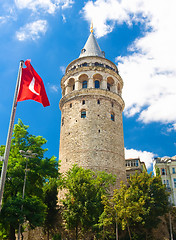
(91, 123)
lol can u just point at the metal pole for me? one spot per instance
(28, 154)
(24, 186)
(9, 136)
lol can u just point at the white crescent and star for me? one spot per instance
(31, 86)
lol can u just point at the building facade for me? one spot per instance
(91, 123)
(134, 165)
(166, 166)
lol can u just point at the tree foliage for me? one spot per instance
(82, 203)
(138, 207)
(40, 170)
(50, 200)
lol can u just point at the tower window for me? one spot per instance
(70, 105)
(84, 84)
(83, 114)
(108, 86)
(62, 121)
(97, 84)
(83, 50)
(112, 117)
(73, 86)
(98, 101)
(112, 104)
(83, 102)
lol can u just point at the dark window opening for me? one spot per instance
(83, 102)
(108, 86)
(97, 84)
(97, 64)
(112, 104)
(70, 105)
(84, 84)
(83, 114)
(112, 117)
(99, 130)
(62, 121)
(98, 101)
(74, 87)
(163, 171)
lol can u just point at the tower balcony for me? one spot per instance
(92, 92)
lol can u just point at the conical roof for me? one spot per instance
(91, 48)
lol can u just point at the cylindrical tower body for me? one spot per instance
(91, 123)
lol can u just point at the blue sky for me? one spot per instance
(138, 35)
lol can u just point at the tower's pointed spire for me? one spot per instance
(91, 47)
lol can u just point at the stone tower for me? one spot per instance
(91, 105)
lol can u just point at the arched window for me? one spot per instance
(110, 83)
(71, 85)
(97, 84)
(112, 116)
(84, 84)
(108, 86)
(83, 80)
(98, 101)
(83, 114)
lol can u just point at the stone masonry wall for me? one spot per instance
(94, 142)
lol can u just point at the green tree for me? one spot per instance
(138, 207)
(107, 220)
(40, 170)
(155, 198)
(82, 203)
(52, 212)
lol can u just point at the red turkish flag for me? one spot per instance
(31, 86)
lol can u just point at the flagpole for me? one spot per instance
(9, 136)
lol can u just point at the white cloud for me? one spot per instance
(144, 156)
(171, 128)
(64, 18)
(149, 70)
(54, 88)
(32, 30)
(2, 19)
(48, 6)
(62, 68)
(105, 14)
(9, 13)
